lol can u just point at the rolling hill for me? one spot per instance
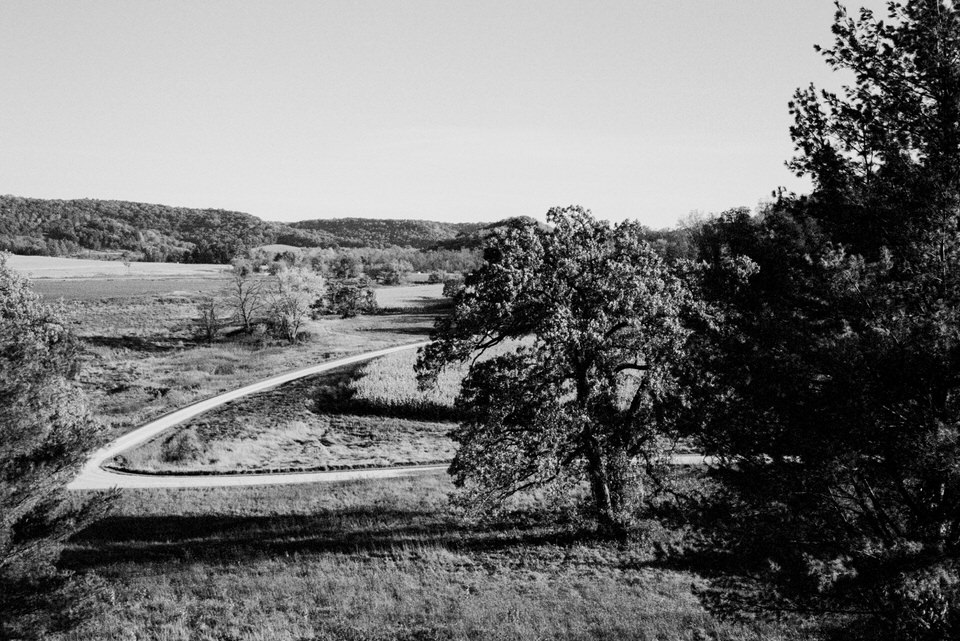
(162, 233)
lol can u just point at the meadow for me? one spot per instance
(388, 559)
(37, 267)
(379, 560)
(143, 358)
(298, 426)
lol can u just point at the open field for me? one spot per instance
(132, 378)
(94, 289)
(143, 358)
(409, 296)
(35, 267)
(355, 416)
(382, 560)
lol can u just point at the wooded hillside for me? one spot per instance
(372, 232)
(162, 233)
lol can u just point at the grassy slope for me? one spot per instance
(384, 560)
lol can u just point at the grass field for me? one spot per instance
(409, 296)
(382, 560)
(361, 415)
(143, 358)
(133, 377)
(35, 267)
(97, 289)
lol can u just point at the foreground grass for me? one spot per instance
(384, 560)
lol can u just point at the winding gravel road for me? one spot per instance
(93, 476)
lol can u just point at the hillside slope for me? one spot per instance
(161, 233)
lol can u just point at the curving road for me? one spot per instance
(93, 476)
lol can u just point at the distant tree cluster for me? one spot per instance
(385, 233)
(160, 233)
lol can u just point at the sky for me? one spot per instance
(442, 110)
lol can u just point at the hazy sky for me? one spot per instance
(443, 110)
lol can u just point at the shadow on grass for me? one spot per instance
(152, 344)
(367, 531)
(420, 305)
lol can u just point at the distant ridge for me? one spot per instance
(374, 232)
(163, 233)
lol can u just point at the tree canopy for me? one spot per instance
(45, 434)
(581, 327)
(833, 388)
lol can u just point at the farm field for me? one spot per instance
(36, 267)
(409, 296)
(92, 289)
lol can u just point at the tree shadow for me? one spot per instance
(370, 531)
(150, 344)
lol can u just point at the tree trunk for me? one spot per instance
(609, 523)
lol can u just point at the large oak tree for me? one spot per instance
(584, 319)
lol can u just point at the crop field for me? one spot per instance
(38, 267)
(96, 289)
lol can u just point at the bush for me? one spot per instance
(923, 606)
(182, 447)
(349, 298)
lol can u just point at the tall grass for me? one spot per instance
(389, 383)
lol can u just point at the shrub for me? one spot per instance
(182, 447)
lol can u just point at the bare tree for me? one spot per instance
(209, 320)
(245, 293)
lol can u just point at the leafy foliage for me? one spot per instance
(291, 298)
(834, 383)
(588, 391)
(368, 232)
(348, 298)
(45, 433)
